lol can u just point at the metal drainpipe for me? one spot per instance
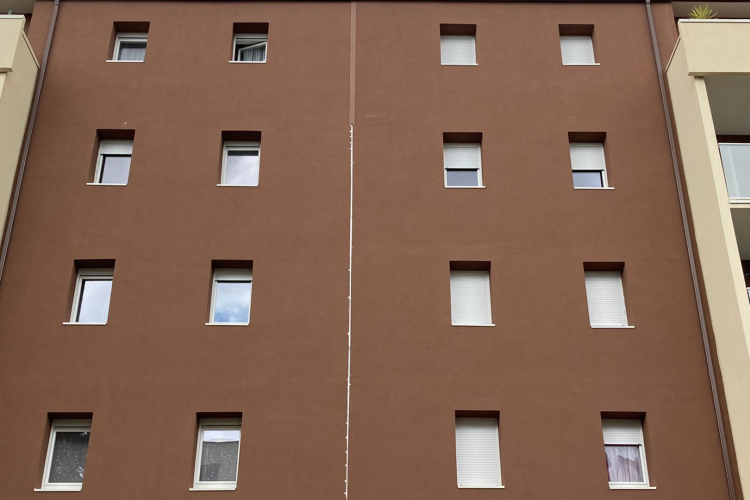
(27, 141)
(691, 257)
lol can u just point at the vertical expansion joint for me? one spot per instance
(691, 256)
(349, 332)
(27, 140)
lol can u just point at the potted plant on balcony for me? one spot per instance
(702, 12)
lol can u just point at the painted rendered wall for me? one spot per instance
(155, 364)
(542, 367)
(701, 50)
(18, 70)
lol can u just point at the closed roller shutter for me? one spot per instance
(470, 298)
(577, 50)
(477, 453)
(605, 298)
(458, 50)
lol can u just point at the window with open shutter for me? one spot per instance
(470, 298)
(463, 164)
(587, 161)
(577, 50)
(458, 50)
(478, 453)
(626, 456)
(606, 300)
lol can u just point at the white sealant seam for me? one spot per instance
(349, 333)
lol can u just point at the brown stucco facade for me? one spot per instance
(155, 365)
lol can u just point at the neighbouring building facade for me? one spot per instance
(371, 250)
(18, 71)
(709, 81)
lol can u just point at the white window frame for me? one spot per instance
(238, 146)
(478, 145)
(111, 148)
(619, 485)
(603, 170)
(262, 39)
(88, 274)
(593, 52)
(447, 38)
(237, 275)
(66, 425)
(224, 424)
(128, 37)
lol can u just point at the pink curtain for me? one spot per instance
(624, 464)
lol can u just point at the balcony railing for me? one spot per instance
(736, 160)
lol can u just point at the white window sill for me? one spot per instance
(80, 323)
(119, 61)
(223, 487)
(587, 64)
(612, 326)
(464, 187)
(631, 487)
(448, 64)
(238, 185)
(104, 184)
(60, 488)
(481, 487)
(247, 62)
(470, 324)
(227, 324)
(739, 200)
(599, 189)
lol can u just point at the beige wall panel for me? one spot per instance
(717, 46)
(16, 91)
(716, 243)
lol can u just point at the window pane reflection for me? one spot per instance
(94, 301)
(232, 302)
(242, 168)
(588, 179)
(462, 178)
(69, 457)
(219, 455)
(115, 169)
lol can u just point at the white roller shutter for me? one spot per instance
(470, 298)
(605, 298)
(462, 156)
(115, 147)
(622, 431)
(477, 453)
(458, 50)
(587, 155)
(577, 50)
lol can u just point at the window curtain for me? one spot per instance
(624, 464)
(255, 53)
(132, 51)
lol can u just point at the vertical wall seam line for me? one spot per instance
(691, 257)
(349, 333)
(27, 140)
(352, 76)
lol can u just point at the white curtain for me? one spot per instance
(255, 53)
(132, 51)
(624, 464)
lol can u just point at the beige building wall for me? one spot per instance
(18, 72)
(711, 48)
